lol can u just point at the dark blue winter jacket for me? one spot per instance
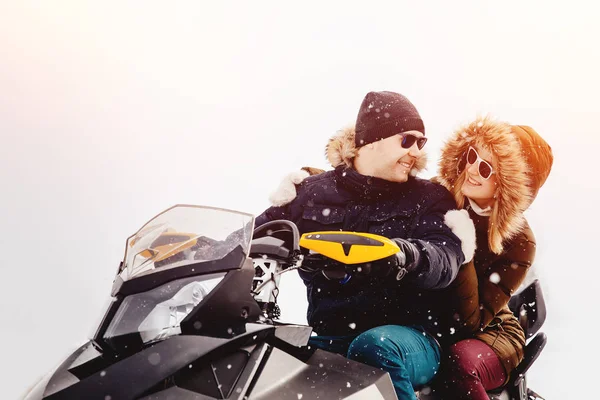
(343, 199)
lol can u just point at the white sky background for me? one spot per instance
(111, 113)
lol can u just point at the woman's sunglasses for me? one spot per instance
(483, 167)
(408, 140)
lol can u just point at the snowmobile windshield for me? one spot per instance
(184, 235)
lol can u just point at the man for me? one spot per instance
(384, 316)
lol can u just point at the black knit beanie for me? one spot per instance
(383, 114)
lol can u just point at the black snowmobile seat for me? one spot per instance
(529, 307)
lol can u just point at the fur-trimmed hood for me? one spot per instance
(341, 150)
(513, 195)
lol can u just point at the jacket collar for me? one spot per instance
(481, 222)
(369, 187)
(484, 212)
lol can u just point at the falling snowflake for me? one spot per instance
(154, 358)
(495, 277)
(299, 396)
(326, 212)
(228, 366)
(452, 331)
(352, 325)
(348, 384)
(426, 390)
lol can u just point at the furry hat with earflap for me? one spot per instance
(523, 162)
(537, 154)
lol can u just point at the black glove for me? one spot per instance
(331, 269)
(387, 267)
(397, 265)
(409, 256)
(383, 267)
(315, 262)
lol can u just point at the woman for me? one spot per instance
(494, 170)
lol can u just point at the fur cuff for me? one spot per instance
(463, 227)
(286, 191)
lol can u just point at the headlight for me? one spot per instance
(157, 313)
(163, 321)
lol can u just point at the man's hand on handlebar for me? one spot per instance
(334, 270)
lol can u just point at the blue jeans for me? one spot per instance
(408, 354)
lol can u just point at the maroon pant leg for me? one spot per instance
(471, 368)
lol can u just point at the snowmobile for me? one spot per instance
(193, 315)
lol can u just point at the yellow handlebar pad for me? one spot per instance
(349, 247)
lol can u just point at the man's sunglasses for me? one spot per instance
(484, 168)
(409, 139)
